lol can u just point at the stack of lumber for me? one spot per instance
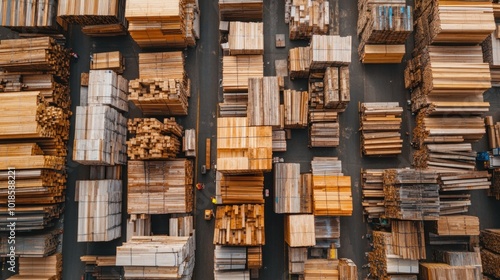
(382, 53)
(156, 23)
(263, 102)
(254, 257)
(247, 10)
(327, 227)
(470, 180)
(234, 105)
(329, 50)
(279, 141)
(153, 139)
(240, 225)
(446, 157)
(153, 257)
(246, 38)
(380, 128)
(456, 225)
(108, 60)
(495, 184)
(235, 189)
(315, 269)
(324, 130)
(138, 225)
(296, 259)
(300, 230)
(347, 270)
(298, 62)
(452, 204)
(99, 260)
(163, 85)
(454, 258)
(372, 184)
(160, 187)
(33, 15)
(336, 90)
(491, 55)
(308, 18)
(408, 239)
(292, 191)
(444, 271)
(99, 210)
(237, 69)
(33, 245)
(49, 268)
(296, 108)
(493, 131)
(411, 194)
(231, 275)
(189, 142)
(241, 148)
(490, 254)
(230, 258)
(323, 116)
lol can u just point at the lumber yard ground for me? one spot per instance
(369, 83)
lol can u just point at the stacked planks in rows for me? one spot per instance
(138, 225)
(380, 128)
(446, 272)
(239, 225)
(230, 275)
(172, 23)
(491, 55)
(235, 189)
(465, 180)
(99, 210)
(298, 62)
(49, 268)
(246, 38)
(229, 258)
(279, 141)
(408, 239)
(443, 157)
(108, 60)
(327, 227)
(35, 245)
(321, 269)
(32, 15)
(296, 108)
(495, 184)
(456, 225)
(331, 92)
(329, 50)
(242, 148)
(493, 132)
(490, 254)
(234, 105)
(296, 259)
(308, 18)
(347, 269)
(454, 203)
(324, 129)
(373, 192)
(163, 86)
(237, 69)
(300, 230)
(100, 267)
(189, 143)
(180, 225)
(460, 259)
(247, 10)
(153, 139)
(292, 190)
(153, 257)
(160, 187)
(263, 102)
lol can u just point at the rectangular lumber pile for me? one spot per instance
(40, 268)
(411, 194)
(229, 258)
(138, 225)
(279, 141)
(234, 105)
(408, 239)
(457, 259)
(292, 190)
(263, 102)
(160, 187)
(321, 269)
(495, 184)
(153, 139)
(254, 257)
(470, 180)
(99, 210)
(180, 225)
(239, 225)
(299, 62)
(372, 184)
(236, 189)
(308, 18)
(490, 261)
(444, 271)
(189, 142)
(241, 148)
(90, 12)
(452, 204)
(456, 225)
(337, 94)
(491, 51)
(447, 157)
(381, 128)
(296, 259)
(490, 239)
(327, 227)
(246, 38)
(324, 130)
(382, 54)
(231, 275)
(296, 108)
(237, 69)
(38, 13)
(106, 87)
(329, 50)
(108, 60)
(247, 10)
(32, 245)
(300, 230)
(347, 270)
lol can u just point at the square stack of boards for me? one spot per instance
(35, 16)
(108, 60)
(308, 18)
(247, 10)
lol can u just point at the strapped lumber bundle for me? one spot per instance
(380, 128)
(49, 268)
(456, 225)
(490, 254)
(329, 50)
(324, 130)
(382, 53)
(33, 245)
(296, 108)
(229, 258)
(241, 148)
(160, 187)
(279, 141)
(470, 180)
(327, 227)
(490, 239)
(445, 157)
(308, 18)
(235, 189)
(408, 239)
(189, 142)
(153, 139)
(246, 38)
(247, 10)
(29, 15)
(454, 258)
(336, 89)
(163, 85)
(296, 259)
(153, 257)
(315, 269)
(372, 192)
(108, 60)
(254, 257)
(298, 62)
(237, 69)
(180, 225)
(443, 271)
(411, 194)
(300, 230)
(138, 225)
(263, 102)
(99, 210)
(240, 225)
(292, 190)
(234, 105)
(347, 270)
(452, 204)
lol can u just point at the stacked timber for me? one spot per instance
(237, 69)
(33, 245)
(100, 267)
(230, 275)
(180, 225)
(263, 102)
(254, 257)
(46, 268)
(324, 130)
(329, 50)
(382, 54)
(160, 187)
(99, 210)
(298, 62)
(336, 89)
(33, 15)
(153, 257)
(490, 254)
(445, 271)
(296, 259)
(495, 184)
(240, 225)
(296, 108)
(241, 148)
(321, 269)
(279, 141)
(300, 230)
(153, 139)
(234, 105)
(380, 128)
(411, 194)
(230, 258)
(163, 85)
(457, 259)
(247, 10)
(138, 225)
(327, 227)
(308, 18)
(292, 190)
(408, 239)
(236, 189)
(189, 143)
(443, 157)
(456, 225)
(372, 184)
(108, 60)
(491, 55)
(347, 270)
(246, 38)
(470, 180)
(454, 203)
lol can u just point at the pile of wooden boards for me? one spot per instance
(263, 102)
(32, 15)
(40, 268)
(230, 275)
(237, 69)
(327, 227)
(446, 157)
(298, 62)
(163, 86)
(241, 148)
(239, 225)
(235, 189)
(408, 239)
(324, 129)
(153, 257)
(465, 180)
(380, 128)
(372, 184)
(296, 108)
(234, 105)
(454, 203)
(329, 50)
(172, 23)
(153, 139)
(491, 55)
(246, 38)
(458, 258)
(189, 143)
(230, 258)
(160, 187)
(99, 210)
(321, 269)
(493, 131)
(490, 254)
(138, 225)
(180, 225)
(495, 184)
(32, 244)
(108, 60)
(308, 18)
(300, 230)
(446, 272)
(292, 190)
(247, 10)
(279, 141)
(330, 90)
(456, 225)
(296, 259)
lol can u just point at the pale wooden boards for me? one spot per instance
(456, 225)
(246, 38)
(445, 271)
(239, 225)
(46, 268)
(454, 258)
(236, 189)
(236, 70)
(180, 225)
(263, 102)
(316, 269)
(230, 275)
(471, 180)
(38, 13)
(300, 230)
(292, 190)
(248, 10)
(229, 258)
(298, 62)
(234, 105)
(447, 157)
(296, 108)
(138, 225)
(91, 12)
(279, 141)
(327, 227)
(296, 259)
(189, 143)
(329, 50)
(308, 18)
(108, 60)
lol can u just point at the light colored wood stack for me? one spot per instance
(329, 50)
(336, 90)
(189, 142)
(347, 270)
(263, 102)
(248, 10)
(491, 54)
(452, 204)
(153, 139)
(150, 257)
(160, 187)
(327, 227)
(296, 259)
(240, 225)
(381, 126)
(229, 258)
(39, 13)
(235, 189)
(298, 62)
(444, 271)
(33, 245)
(180, 226)
(373, 192)
(237, 69)
(325, 133)
(408, 239)
(296, 108)
(243, 149)
(99, 210)
(454, 259)
(382, 53)
(231, 275)
(279, 141)
(456, 225)
(234, 105)
(47, 268)
(471, 180)
(108, 60)
(299, 230)
(246, 38)
(490, 254)
(138, 225)
(254, 257)
(292, 191)
(90, 12)
(446, 157)
(99, 260)
(308, 18)
(317, 269)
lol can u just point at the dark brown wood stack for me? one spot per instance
(495, 184)
(408, 239)
(234, 105)
(239, 225)
(300, 230)
(296, 108)
(327, 227)
(456, 225)
(279, 141)
(33, 245)
(373, 192)
(263, 102)
(292, 190)
(237, 189)
(308, 18)
(491, 52)
(347, 270)
(247, 10)
(254, 257)
(298, 62)
(324, 129)
(445, 271)
(445, 157)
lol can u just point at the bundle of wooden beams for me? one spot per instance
(308, 18)
(241, 148)
(452, 204)
(180, 225)
(296, 259)
(33, 245)
(153, 139)
(90, 12)
(99, 210)
(236, 189)
(324, 130)
(230, 258)
(373, 192)
(493, 132)
(321, 269)
(298, 62)
(279, 141)
(495, 184)
(237, 69)
(246, 38)
(327, 227)
(347, 269)
(445, 157)
(470, 180)
(254, 257)
(490, 254)
(329, 50)
(49, 268)
(382, 54)
(108, 60)
(99, 260)
(444, 271)
(263, 102)
(39, 14)
(247, 10)
(234, 105)
(160, 187)
(455, 258)
(153, 257)
(296, 108)
(336, 90)
(240, 225)
(456, 225)
(300, 230)
(408, 239)
(189, 143)
(411, 194)
(138, 225)
(231, 275)
(163, 85)
(462, 22)
(380, 128)
(292, 190)
(491, 55)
